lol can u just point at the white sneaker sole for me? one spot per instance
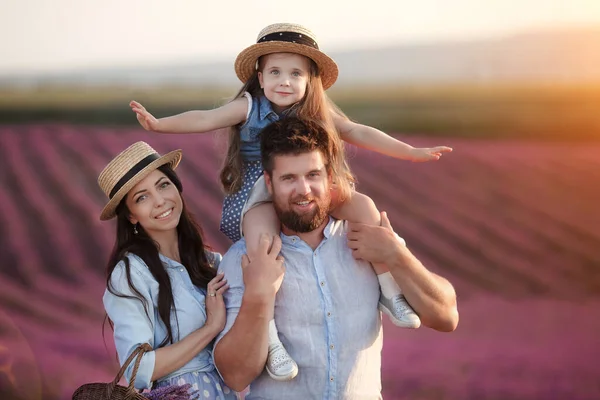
(283, 378)
(397, 322)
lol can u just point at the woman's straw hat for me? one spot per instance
(286, 38)
(127, 169)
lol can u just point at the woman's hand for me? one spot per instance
(215, 306)
(145, 119)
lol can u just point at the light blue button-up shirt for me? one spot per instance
(327, 317)
(133, 327)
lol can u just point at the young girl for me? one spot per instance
(284, 73)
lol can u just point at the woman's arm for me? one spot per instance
(132, 327)
(197, 121)
(375, 140)
(171, 358)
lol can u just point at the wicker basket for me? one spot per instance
(114, 391)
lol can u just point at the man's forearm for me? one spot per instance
(241, 354)
(432, 296)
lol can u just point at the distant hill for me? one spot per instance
(569, 55)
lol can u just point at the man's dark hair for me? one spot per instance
(293, 136)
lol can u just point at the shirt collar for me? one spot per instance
(294, 240)
(266, 110)
(169, 262)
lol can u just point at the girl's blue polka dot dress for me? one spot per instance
(231, 217)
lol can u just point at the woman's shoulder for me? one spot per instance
(136, 266)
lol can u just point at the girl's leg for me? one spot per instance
(360, 208)
(258, 220)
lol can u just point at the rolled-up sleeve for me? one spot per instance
(132, 324)
(231, 266)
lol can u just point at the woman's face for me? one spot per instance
(155, 203)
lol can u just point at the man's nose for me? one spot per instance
(303, 187)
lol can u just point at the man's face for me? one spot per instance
(300, 185)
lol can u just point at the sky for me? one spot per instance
(63, 35)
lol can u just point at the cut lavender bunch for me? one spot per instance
(172, 392)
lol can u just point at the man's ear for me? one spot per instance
(330, 179)
(268, 182)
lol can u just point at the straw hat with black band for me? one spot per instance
(286, 38)
(127, 169)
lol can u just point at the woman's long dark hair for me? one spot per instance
(191, 251)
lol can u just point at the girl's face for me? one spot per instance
(284, 77)
(155, 203)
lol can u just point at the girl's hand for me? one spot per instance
(215, 306)
(145, 119)
(420, 154)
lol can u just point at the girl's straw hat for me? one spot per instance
(127, 169)
(286, 38)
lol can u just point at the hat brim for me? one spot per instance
(172, 158)
(245, 63)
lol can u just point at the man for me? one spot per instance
(326, 305)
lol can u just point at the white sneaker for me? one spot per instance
(400, 312)
(280, 365)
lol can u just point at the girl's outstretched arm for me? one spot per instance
(373, 139)
(197, 121)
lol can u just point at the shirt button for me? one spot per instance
(331, 347)
(331, 379)
(181, 269)
(322, 283)
(329, 314)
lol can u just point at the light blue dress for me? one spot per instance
(133, 327)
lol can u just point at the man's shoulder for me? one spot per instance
(234, 254)
(336, 227)
(231, 266)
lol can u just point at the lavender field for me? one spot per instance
(513, 224)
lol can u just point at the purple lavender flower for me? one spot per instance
(172, 392)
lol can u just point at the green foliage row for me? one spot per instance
(468, 111)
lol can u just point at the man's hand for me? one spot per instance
(375, 244)
(263, 274)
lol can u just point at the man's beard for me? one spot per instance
(306, 222)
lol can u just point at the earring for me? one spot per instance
(135, 231)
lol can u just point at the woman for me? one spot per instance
(162, 287)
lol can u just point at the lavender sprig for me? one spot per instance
(172, 392)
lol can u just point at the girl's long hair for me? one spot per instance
(191, 250)
(314, 105)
